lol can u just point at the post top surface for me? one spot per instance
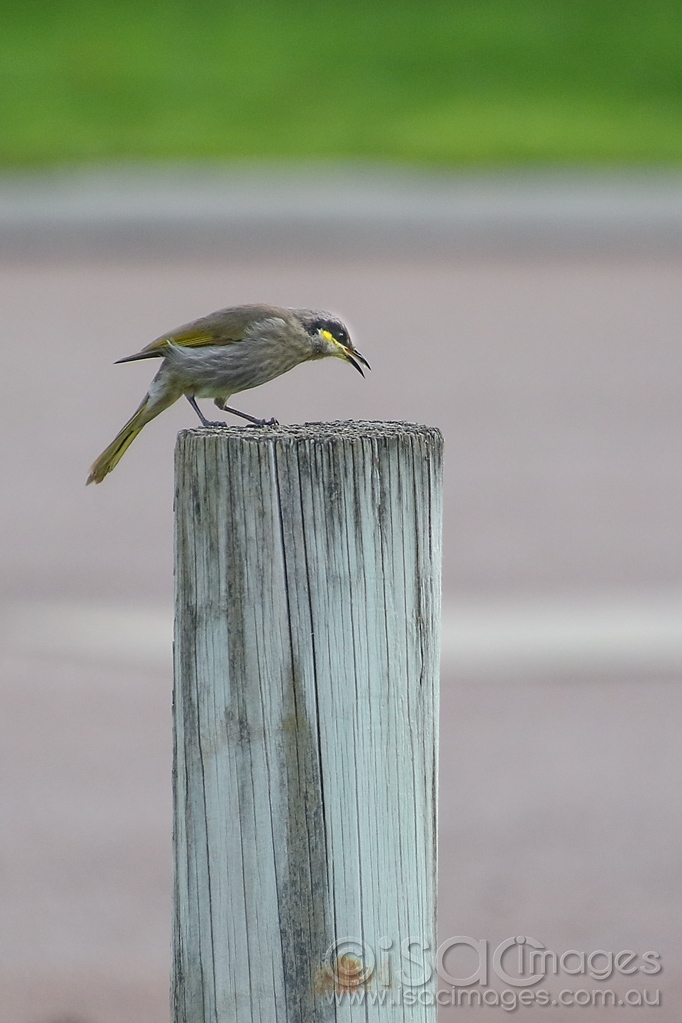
(340, 430)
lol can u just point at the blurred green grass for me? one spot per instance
(456, 83)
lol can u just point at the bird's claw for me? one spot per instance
(266, 422)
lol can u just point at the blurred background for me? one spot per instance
(490, 195)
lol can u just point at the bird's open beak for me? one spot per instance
(351, 355)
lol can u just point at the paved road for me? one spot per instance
(351, 209)
(555, 377)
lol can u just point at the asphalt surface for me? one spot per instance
(354, 209)
(554, 373)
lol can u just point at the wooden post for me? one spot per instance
(305, 710)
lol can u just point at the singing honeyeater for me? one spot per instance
(226, 352)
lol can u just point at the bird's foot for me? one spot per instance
(265, 422)
(245, 415)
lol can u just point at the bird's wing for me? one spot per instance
(223, 327)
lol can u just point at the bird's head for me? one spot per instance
(330, 337)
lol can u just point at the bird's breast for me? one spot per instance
(216, 370)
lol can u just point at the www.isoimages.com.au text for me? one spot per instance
(507, 999)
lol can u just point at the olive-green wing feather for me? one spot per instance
(223, 327)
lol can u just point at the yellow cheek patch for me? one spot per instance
(327, 336)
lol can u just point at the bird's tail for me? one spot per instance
(113, 454)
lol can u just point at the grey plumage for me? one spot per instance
(224, 353)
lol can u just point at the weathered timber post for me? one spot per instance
(305, 710)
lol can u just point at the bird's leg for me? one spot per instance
(245, 415)
(204, 421)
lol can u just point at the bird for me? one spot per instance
(224, 353)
